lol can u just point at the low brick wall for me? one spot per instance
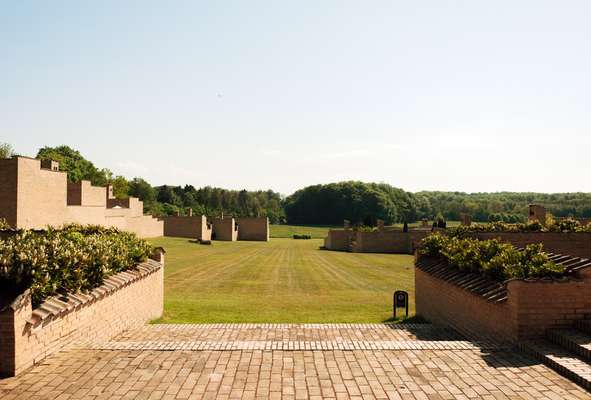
(387, 241)
(224, 229)
(193, 227)
(576, 244)
(126, 300)
(338, 239)
(397, 242)
(445, 304)
(256, 229)
(530, 308)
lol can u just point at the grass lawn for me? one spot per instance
(283, 280)
(287, 231)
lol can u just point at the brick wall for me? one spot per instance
(224, 229)
(84, 194)
(145, 226)
(577, 244)
(537, 305)
(338, 239)
(33, 198)
(530, 309)
(397, 242)
(443, 303)
(253, 229)
(126, 301)
(41, 195)
(386, 241)
(8, 179)
(194, 227)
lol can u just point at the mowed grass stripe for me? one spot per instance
(283, 280)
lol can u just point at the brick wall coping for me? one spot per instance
(56, 306)
(490, 289)
(481, 285)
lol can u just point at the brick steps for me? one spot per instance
(576, 341)
(560, 360)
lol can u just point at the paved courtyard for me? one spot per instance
(307, 361)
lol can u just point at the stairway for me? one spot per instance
(566, 350)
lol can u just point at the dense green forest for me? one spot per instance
(170, 200)
(363, 203)
(330, 204)
(358, 202)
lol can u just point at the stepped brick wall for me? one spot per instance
(34, 195)
(521, 309)
(126, 300)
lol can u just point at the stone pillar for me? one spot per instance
(537, 213)
(50, 165)
(158, 255)
(465, 219)
(380, 225)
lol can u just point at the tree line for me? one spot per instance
(364, 203)
(170, 200)
(359, 202)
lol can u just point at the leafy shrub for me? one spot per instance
(493, 258)
(563, 225)
(305, 237)
(366, 228)
(4, 225)
(71, 259)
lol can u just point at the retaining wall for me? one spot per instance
(126, 300)
(531, 306)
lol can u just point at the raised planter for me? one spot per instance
(512, 310)
(576, 244)
(125, 300)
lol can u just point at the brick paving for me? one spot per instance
(235, 361)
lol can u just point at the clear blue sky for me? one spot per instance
(433, 95)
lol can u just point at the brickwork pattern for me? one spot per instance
(293, 374)
(529, 310)
(38, 333)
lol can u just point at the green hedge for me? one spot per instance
(564, 225)
(500, 261)
(70, 259)
(305, 237)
